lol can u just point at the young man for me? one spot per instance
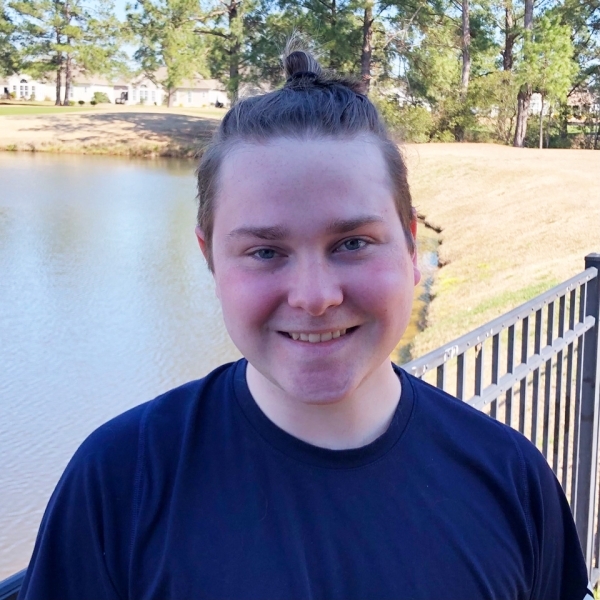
(312, 468)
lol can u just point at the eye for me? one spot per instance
(264, 253)
(351, 245)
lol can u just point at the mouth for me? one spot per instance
(316, 338)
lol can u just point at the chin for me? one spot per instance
(320, 389)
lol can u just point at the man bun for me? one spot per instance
(299, 62)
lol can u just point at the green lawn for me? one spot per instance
(40, 110)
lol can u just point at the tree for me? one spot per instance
(549, 67)
(221, 24)
(524, 97)
(9, 55)
(165, 32)
(66, 36)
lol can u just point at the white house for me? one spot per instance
(196, 92)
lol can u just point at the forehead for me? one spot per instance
(294, 179)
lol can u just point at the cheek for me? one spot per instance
(247, 300)
(386, 288)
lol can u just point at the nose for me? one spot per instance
(314, 287)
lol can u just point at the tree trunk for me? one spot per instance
(466, 49)
(58, 101)
(524, 97)
(367, 48)
(234, 53)
(68, 79)
(170, 93)
(542, 124)
(509, 37)
(523, 101)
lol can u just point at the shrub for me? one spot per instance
(410, 122)
(93, 102)
(101, 98)
(81, 102)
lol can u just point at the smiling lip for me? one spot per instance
(315, 338)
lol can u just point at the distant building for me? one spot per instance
(196, 92)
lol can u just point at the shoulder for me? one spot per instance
(487, 444)
(446, 413)
(122, 441)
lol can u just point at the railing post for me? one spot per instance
(587, 452)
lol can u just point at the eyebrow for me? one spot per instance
(278, 233)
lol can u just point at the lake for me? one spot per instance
(105, 302)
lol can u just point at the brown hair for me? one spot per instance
(311, 104)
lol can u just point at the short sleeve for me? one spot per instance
(560, 570)
(83, 545)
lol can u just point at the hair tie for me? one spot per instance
(301, 75)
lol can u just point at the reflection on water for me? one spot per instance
(427, 249)
(105, 302)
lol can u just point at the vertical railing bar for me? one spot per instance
(510, 360)
(537, 343)
(577, 408)
(558, 394)
(587, 457)
(568, 390)
(548, 379)
(441, 377)
(460, 376)
(495, 370)
(479, 354)
(523, 384)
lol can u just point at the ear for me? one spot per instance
(202, 242)
(206, 253)
(413, 232)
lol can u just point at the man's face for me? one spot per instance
(311, 263)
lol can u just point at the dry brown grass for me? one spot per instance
(118, 130)
(514, 223)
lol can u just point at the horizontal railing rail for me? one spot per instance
(9, 588)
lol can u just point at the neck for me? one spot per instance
(353, 421)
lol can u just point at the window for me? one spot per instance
(33, 90)
(71, 93)
(133, 93)
(189, 95)
(26, 90)
(85, 90)
(153, 95)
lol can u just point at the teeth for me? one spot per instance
(314, 338)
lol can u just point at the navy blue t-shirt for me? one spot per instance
(197, 495)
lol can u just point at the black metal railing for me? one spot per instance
(537, 368)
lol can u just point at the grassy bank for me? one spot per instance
(107, 129)
(514, 222)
